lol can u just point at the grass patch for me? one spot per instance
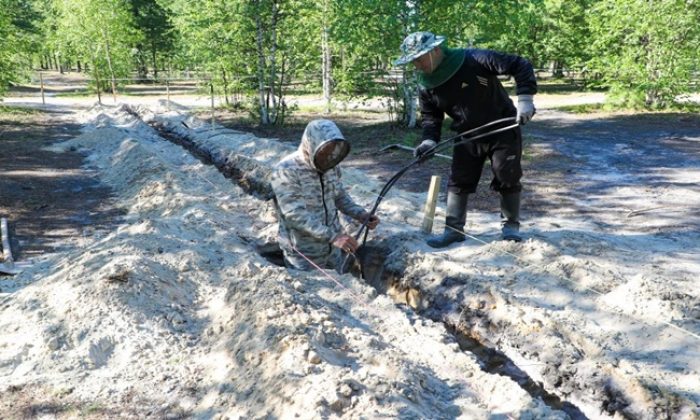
(605, 107)
(92, 408)
(79, 94)
(17, 110)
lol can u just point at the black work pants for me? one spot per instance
(504, 150)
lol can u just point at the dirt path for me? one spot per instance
(597, 154)
(51, 200)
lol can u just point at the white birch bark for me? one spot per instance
(264, 117)
(326, 57)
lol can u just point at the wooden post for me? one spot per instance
(429, 210)
(41, 77)
(211, 89)
(6, 250)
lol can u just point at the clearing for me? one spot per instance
(149, 294)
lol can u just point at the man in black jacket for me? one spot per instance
(463, 84)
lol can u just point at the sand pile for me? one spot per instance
(600, 313)
(174, 314)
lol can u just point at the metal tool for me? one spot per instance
(410, 149)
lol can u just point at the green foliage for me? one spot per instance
(19, 38)
(158, 34)
(256, 51)
(100, 32)
(6, 50)
(645, 51)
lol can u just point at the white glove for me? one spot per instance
(423, 148)
(526, 109)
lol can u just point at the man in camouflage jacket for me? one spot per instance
(309, 194)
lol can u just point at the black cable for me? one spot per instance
(443, 144)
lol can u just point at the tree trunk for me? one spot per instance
(97, 80)
(79, 68)
(410, 94)
(223, 76)
(153, 57)
(111, 69)
(281, 110)
(326, 57)
(264, 117)
(273, 61)
(59, 66)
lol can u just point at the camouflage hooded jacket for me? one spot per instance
(308, 200)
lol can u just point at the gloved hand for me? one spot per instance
(423, 148)
(526, 109)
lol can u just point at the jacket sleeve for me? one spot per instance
(292, 204)
(343, 201)
(431, 117)
(520, 69)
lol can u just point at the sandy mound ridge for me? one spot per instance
(175, 314)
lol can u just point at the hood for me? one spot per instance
(317, 136)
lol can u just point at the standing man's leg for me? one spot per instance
(506, 154)
(467, 163)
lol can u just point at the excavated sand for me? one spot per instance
(175, 314)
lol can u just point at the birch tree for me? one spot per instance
(102, 33)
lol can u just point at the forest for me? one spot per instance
(643, 53)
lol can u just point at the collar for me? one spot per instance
(453, 60)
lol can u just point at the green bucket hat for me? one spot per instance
(417, 44)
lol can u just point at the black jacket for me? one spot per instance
(474, 96)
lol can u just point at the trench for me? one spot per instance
(490, 359)
(372, 260)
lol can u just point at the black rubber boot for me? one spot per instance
(456, 217)
(510, 211)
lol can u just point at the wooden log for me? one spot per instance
(8, 266)
(430, 203)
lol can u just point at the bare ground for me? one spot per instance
(49, 199)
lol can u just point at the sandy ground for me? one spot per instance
(176, 314)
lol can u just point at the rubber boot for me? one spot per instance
(456, 217)
(510, 211)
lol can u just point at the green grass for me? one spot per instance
(17, 110)
(605, 107)
(77, 94)
(92, 408)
